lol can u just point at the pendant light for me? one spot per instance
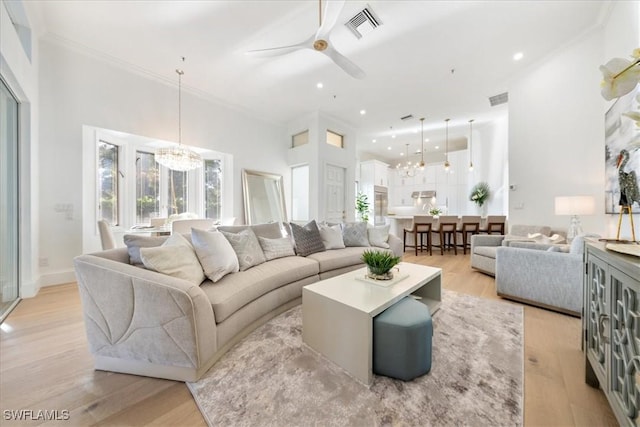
(408, 170)
(421, 164)
(179, 158)
(470, 145)
(446, 150)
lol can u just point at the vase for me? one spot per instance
(482, 210)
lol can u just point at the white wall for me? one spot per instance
(556, 136)
(556, 126)
(21, 75)
(78, 89)
(491, 163)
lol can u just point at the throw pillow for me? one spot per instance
(247, 248)
(331, 236)
(307, 238)
(215, 253)
(577, 244)
(355, 234)
(379, 236)
(276, 248)
(135, 242)
(176, 258)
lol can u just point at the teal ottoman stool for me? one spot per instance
(402, 340)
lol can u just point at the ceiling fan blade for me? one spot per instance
(282, 50)
(332, 10)
(343, 62)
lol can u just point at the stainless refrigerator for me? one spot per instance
(380, 205)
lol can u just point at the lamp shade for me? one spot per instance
(575, 205)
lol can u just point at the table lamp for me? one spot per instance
(574, 206)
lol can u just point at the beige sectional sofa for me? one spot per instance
(148, 323)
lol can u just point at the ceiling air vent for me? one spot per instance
(407, 117)
(501, 98)
(363, 22)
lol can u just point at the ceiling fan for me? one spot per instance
(320, 41)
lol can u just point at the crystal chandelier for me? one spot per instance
(446, 150)
(407, 170)
(470, 145)
(179, 158)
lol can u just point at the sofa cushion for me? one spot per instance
(134, 242)
(339, 258)
(487, 251)
(215, 253)
(331, 236)
(175, 258)
(379, 236)
(525, 230)
(276, 248)
(247, 248)
(355, 234)
(234, 291)
(307, 238)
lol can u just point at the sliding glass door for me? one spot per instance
(9, 266)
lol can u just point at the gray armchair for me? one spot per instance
(528, 272)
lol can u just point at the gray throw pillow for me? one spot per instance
(331, 236)
(135, 242)
(215, 253)
(355, 234)
(276, 248)
(307, 238)
(247, 248)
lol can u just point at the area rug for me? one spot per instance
(272, 378)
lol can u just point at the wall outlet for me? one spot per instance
(43, 262)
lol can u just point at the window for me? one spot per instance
(213, 189)
(108, 182)
(335, 139)
(147, 187)
(300, 139)
(300, 193)
(178, 192)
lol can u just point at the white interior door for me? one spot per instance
(334, 191)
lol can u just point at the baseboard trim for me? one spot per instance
(58, 278)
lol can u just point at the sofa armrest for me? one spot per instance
(395, 245)
(136, 314)
(485, 240)
(551, 278)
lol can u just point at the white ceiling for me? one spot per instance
(433, 59)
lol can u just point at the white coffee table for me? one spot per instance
(337, 313)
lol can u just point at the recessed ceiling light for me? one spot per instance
(388, 148)
(319, 85)
(363, 112)
(426, 140)
(374, 141)
(415, 131)
(437, 146)
(393, 136)
(518, 56)
(402, 154)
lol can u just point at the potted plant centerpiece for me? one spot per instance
(479, 195)
(379, 264)
(362, 206)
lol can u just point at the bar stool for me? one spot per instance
(468, 226)
(494, 223)
(422, 224)
(447, 231)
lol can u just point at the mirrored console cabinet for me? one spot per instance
(611, 328)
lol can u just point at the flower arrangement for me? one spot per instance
(619, 77)
(362, 206)
(480, 193)
(435, 211)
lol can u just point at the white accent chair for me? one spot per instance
(106, 235)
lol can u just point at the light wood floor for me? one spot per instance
(45, 364)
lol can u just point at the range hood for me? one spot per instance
(423, 194)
